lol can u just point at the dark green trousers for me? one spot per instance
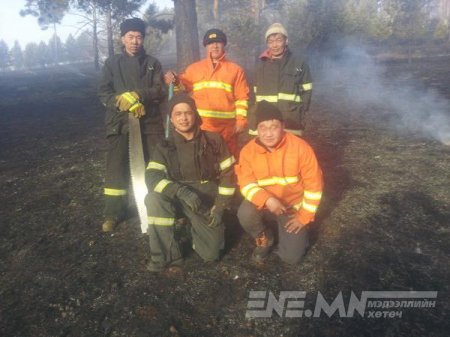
(291, 247)
(162, 213)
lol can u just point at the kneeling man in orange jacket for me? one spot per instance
(280, 179)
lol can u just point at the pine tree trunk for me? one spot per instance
(186, 33)
(256, 10)
(109, 30)
(55, 44)
(95, 38)
(216, 13)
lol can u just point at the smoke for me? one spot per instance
(352, 75)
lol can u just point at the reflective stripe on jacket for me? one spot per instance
(141, 73)
(287, 83)
(211, 162)
(220, 92)
(290, 173)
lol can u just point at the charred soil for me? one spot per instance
(383, 226)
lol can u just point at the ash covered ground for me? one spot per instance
(383, 225)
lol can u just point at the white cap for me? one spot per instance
(276, 28)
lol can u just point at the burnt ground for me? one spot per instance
(383, 225)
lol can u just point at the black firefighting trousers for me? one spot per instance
(117, 178)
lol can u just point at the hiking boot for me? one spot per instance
(264, 242)
(109, 225)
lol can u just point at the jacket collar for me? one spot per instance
(261, 148)
(267, 55)
(219, 61)
(176, 137)
(139, 54)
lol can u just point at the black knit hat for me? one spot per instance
(181, 97)
(214, 35)
(132, 25)
(266, 111)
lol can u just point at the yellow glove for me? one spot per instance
(138, 110)
(126, 100)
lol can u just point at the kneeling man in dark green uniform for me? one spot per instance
(190, 174)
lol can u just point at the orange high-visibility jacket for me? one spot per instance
(290, 173)
(220, 92)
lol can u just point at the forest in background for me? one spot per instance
(391, 28)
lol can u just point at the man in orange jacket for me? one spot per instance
(219, 88)
(280, 178)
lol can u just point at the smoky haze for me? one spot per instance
(353, 76)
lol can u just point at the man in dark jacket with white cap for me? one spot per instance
(284, 80)
(190, 174)
(132, 82)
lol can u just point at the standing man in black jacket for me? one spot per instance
(190, 174)
(132, 82)
(283, 79)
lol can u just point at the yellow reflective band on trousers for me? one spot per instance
(161, 185)
(216, 114)
(115, 192)
(307, 86)
(280, 97)
(226, 190)
(278, 181)
(156, 166)
(242, 103)
(213, 84)
(312, 195)
(157, 221)
(227, 163)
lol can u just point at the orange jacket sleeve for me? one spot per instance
(311, 176)
(241, 92)
(186, 80)
(247, 181)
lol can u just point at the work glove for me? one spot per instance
(215, 216)
(138, 110)
(129, 101)
(189, 197)
(126, 100)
